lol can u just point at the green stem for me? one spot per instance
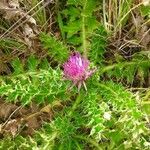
(83, 32)
(75, 105)
(78, 100)
(124, 64)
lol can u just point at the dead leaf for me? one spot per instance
(31, 20)
(24, 120)
(13, 4)
(46, 109)
(12, 127)
(3, 5)
(146, 2)
(28, 32)
(12, 11)
(6, 109)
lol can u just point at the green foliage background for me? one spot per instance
(82, 124)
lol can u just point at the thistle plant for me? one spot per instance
(114, 112)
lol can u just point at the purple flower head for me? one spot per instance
(77, 70)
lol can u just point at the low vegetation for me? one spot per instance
(75, 75)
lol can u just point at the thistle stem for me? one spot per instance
(84, 33)
(75, 105)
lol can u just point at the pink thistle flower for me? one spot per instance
(77, 70)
